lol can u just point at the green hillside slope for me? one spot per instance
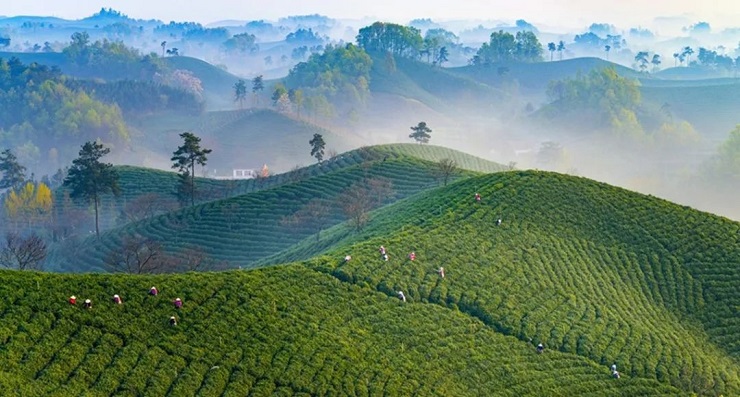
(534, 77)
(711, 107)
(280, 331)
(218, 84)
(584, 267)
(598, 274)
(136, 182)
(433, 86)
(244, 229)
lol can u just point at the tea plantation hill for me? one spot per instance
(243, 229)
(596, 273)
(584, 267)
(287, 330)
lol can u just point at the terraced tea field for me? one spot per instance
(279, 331)
(598, 274)
(137, 181)
(582, 267)
(246, 228)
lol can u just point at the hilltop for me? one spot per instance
(593, 249)
(710, 104)
(598, 274)
(533, 78)
(247, 213)
(588, 268)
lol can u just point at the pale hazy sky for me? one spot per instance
(566, 13)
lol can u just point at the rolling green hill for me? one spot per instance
(584, 267)
(534, 77)
(598, 274)
(138, 181)
(246, 228)
(693, 73)
(280, 331)
(435, 87)
(711, 107)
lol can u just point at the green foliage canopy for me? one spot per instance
(317, 146)
(40, 110)
(340, 75)
(505, 47)
(14, 174)
(399, 40)
(421, 132)
(607, 97)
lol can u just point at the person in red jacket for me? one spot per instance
(72, 300)
(477, 198)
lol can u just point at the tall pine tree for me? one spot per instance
(185, 158)
(89, 179)
(14, 174)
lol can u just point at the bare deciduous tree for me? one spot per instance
(446, 168)
(360, 198)
(146, 206)
(194, 259)
(380, 189)
(314, 214)
(138, 255)
(23, 253)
